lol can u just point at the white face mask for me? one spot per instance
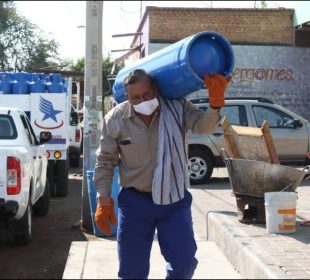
(147, 107)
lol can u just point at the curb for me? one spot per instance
(247, 257)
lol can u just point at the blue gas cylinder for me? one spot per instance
(29, 77)
(37, 85)
(55, 85)
(179, 69)
(41, 76)
(5, 85)
(20, 84)
(92, 196)
(65, 83)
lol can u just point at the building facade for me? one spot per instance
(267, 61)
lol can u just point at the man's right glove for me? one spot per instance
(105, 215)
(216, 85)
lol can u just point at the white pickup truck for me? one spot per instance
(23, 167)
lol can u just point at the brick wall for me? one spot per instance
(239, 26)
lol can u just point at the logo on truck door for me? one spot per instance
(47, 108)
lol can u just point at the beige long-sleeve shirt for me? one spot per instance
(127, 142)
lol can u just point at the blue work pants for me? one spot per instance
(138, 217)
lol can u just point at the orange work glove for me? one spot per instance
(105, 215)
(216, 85)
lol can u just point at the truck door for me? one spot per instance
(36, 155)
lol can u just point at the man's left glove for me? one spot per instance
(216, 85)
(105, 215)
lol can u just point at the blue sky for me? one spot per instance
(60, 20)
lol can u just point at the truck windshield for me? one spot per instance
(7, 127)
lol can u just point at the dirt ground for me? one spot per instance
(46, 256)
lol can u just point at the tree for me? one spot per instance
(5, 8)
(107, 66)
(264, 4)
(23, 45)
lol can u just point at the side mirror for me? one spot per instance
(45, 136)
(74, 118)
(297, 123)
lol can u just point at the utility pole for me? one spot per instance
(92, 98)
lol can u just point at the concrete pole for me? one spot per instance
(92, 98)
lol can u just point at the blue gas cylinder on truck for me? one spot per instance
(5, 84)
(29, 77)
(37, 85)
(179, 69)
(20, 84)
(55, 84)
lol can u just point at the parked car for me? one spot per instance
(290, 133)
(75, 136)
(24, 186)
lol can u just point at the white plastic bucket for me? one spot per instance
(280, 210)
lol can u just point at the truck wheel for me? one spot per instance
(22, 228)
(200, 165)
(42, 206)
(51, 169)
(74, 157)
(62, 171)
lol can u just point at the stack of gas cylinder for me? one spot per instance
(26, 83)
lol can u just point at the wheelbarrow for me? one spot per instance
(250, 179)
(254, 178)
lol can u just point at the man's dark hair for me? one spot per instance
(138, 75)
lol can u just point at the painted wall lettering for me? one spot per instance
(262, 74)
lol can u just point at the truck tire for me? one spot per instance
(22, 229)
(200, 165)
(62, 171)
(42, 206)
(51, 169)
(74, 157)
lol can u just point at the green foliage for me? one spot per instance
(107, 66)
(23, 45)
(264, 4)
(79, 65)
(5, 10)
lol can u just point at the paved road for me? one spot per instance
(214, 196)
(46, 256)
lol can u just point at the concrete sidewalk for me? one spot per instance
(248, 249)
(98, 260)
(253, 251)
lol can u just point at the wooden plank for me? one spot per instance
(230, 140)
(253, 148)
(269, 143)
(248, 131)
(249, 142)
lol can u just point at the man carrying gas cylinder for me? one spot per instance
(146, 136)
